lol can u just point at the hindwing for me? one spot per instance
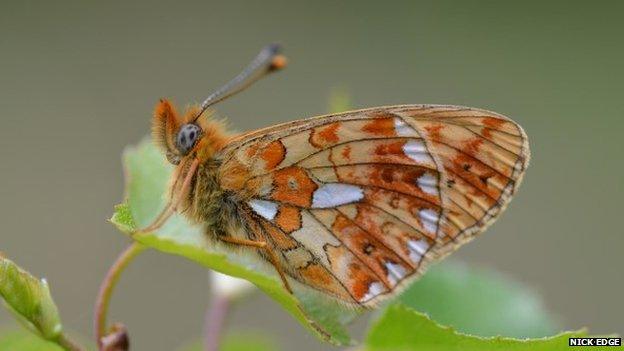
(357, 204)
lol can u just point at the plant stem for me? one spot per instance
(68, 344)
(215, 320)
(107, 286)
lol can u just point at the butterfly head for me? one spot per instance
(181, 136)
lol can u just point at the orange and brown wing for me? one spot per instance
(357, 203)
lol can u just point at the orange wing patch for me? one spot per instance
(381, 125)
(325, 136)
(293, 186)
(288, 218)
(272, 155)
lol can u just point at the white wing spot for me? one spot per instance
(396, 272)
(429, 219)
(428, 183)
(417, 249)
(376, 288)
(266, 209)
(403, 129)
(336, 194)
(416, 150)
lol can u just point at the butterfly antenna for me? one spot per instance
(267, 61)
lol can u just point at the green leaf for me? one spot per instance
(147, 175)
(240, 341)
(401, 328)
(479, 301)
(29, 299)
(23, 341)
(248, 342)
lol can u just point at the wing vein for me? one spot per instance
(377, 238)
(364, 263)
(314, 257)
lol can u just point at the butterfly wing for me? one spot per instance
(358, 203)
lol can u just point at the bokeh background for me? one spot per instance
(78, 81)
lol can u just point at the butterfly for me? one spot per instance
(356, 204)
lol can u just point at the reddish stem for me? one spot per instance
(107, 287)
(215, 321)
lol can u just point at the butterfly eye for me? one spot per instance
(187, 137)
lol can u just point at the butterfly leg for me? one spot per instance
(261, 245)
(172, 205)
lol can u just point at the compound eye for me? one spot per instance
(187, 137)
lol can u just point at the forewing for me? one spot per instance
(358, 203)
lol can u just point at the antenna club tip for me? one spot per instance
(278, 62)
(274, 48)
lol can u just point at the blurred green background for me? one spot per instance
(78, 81)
